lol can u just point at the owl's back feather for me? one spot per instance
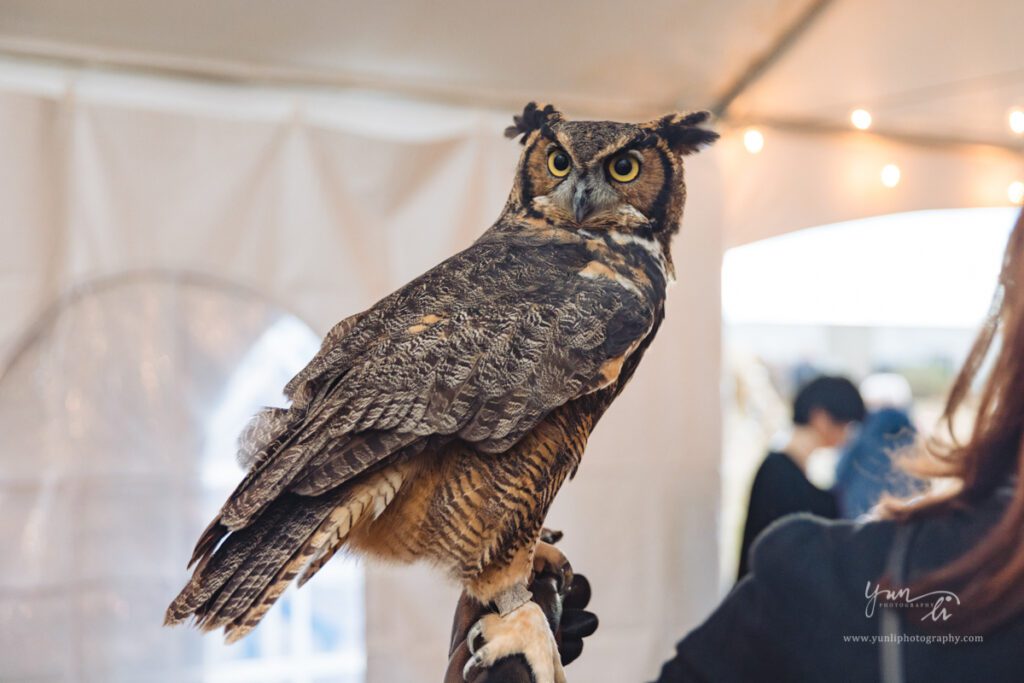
(456, 353)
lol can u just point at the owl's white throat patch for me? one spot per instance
(651, 246)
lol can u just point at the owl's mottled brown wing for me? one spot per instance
(479, 348)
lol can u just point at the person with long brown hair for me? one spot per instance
(931, 589)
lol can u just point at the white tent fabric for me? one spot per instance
(931, 68)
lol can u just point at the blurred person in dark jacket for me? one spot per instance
(823, 412)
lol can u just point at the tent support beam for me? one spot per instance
(761, 64)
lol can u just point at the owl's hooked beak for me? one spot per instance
(581, 202)
(582, 198)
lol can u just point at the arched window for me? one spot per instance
(119, 415)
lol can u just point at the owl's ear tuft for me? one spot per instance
(534, 117)
(683, 132)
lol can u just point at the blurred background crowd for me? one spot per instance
(803, 305)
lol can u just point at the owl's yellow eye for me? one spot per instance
(559, 163)
(624, 168)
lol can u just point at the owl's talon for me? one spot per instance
(524, 631)
(473, 635)
(470, 669)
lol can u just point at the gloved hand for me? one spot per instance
(561, 594)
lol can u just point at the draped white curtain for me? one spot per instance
(117, 411)
(320, 204)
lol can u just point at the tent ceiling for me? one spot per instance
(608, 54)
(940, 68)
(932, 67)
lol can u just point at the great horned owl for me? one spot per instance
(438, 424)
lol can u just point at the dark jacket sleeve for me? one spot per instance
(736, 642)
(808, 612)
(779, 621)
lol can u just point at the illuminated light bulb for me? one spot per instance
(1015, 192)
(891, 175)
(861, 119)
(1017, 121)
(753, 140)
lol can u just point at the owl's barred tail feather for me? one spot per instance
(231, 581)
(373, 498)
(235, 584)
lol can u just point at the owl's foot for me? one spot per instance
(524, 631)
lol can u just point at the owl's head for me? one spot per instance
(603, 174)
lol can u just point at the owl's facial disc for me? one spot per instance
(586, 194)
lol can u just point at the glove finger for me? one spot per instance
(577, 596)
(550, 535)
(569, 650)
(578, 624)
(545, 594)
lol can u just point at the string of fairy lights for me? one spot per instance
(890, 173)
